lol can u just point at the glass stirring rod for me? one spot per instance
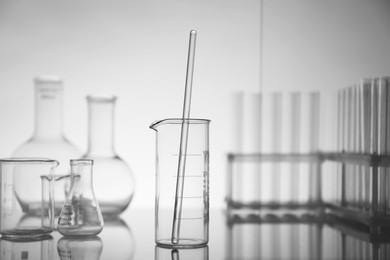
(183, 140)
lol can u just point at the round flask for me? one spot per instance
(48, 139)
(113, 178)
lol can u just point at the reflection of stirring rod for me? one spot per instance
(175, 254)
(183, 140)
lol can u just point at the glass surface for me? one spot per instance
(48, 139)
(80, 215)
(286, 237)
(193, 217)
(85, 248)
(21, 196)
(27, 249)
(113, 178)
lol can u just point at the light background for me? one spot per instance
(137, 50)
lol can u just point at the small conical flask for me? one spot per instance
(48, 139)
(80, 215)
(113, 178)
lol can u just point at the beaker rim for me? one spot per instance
(28, 160)
(101, 97)
(178, 121)
(81, 161)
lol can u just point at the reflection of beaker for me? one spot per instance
(86, 248)
(25, 249)
(48, 139)
(200, 253)
(114, 231)
(80, 215)
(194, 217)
(21, 194)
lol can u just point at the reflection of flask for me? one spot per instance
(48, 139)
(80, 215)
(114, 231)
(113, 179)
(88, 248)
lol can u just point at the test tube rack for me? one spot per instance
(373, 212)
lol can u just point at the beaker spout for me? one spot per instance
(157, 123)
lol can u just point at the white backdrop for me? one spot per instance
(137, 50)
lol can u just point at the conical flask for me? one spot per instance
(48, 139)
(113, 178)
(80, 215)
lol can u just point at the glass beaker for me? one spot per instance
(48, 139)
(113, 178)
(21, 196)
(80, 215)
(194, 217)
(59, 185)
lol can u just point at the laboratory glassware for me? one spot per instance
(194, 217)
(275, 162)
(117, 230)
(81, 215)
(21, 197)
(27, 249)
(80, 248)
(113, 178)
(199, 253)
(48, 139)
(59, 186)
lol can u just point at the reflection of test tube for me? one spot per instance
(277, 240)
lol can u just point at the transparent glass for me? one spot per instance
(80, 215)
(117, 230)
(113, 178)
(194, 218)
(48, 139)
(21, 198)
(27, 249)
(274, 164)
(59, 186)
(85, 248)
(199, 253)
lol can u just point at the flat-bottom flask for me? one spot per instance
(81, 215)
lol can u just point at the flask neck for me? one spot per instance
(82, 177)
(48, 108)
(101, 126)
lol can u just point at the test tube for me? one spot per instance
(270, 143)
(365, 88)
(386, 83)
